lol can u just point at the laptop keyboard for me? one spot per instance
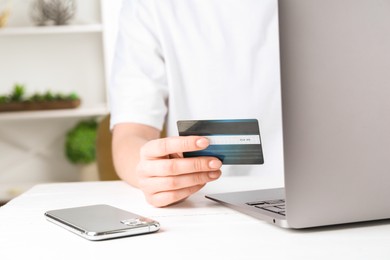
(275, 206)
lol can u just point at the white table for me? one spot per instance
(195, 229)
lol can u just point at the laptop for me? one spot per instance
(335, 80)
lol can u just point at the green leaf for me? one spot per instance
(48, 96)
(73, 96)
(37, 97)
(4, 99)
(17, 93)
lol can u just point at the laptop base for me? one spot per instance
(246, 201)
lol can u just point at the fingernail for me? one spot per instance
(202, 142)
(214, 175)
(215, 164)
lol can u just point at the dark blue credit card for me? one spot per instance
(231, 141)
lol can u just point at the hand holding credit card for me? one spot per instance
(231, 141)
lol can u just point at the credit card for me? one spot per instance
(231, 141)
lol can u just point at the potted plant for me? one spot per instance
(18, 101)
(80, 148)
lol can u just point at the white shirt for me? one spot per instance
(200, 59)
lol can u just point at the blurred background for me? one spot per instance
(51, 49)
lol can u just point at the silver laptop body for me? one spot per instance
(335, 72)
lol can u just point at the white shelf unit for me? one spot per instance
(60, 59)
(65, 59)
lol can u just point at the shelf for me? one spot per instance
(99, 110)
(41, 30)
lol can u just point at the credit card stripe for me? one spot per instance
(233, 139)
(232, 154)
(218, 127)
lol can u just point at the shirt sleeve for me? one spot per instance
(138, 87)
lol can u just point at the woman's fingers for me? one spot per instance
(178, 166)
(173, 145)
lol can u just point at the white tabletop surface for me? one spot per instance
(194, 229)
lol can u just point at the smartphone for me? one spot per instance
(100, 222)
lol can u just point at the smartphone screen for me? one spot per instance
(100, 222)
